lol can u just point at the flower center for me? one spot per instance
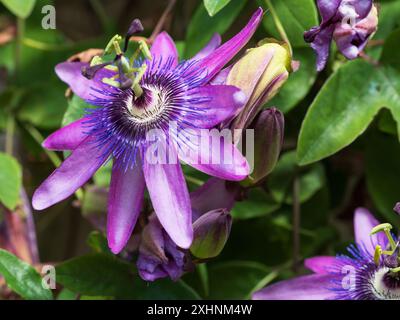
(386, 284)
(149, 107)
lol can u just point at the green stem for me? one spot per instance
(279, 25)
(203, 274)
(10, 129)
(18, 46)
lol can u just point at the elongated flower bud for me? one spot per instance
(211, 231)
(259, 74)
(159, 257)
(268, 132)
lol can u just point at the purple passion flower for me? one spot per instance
(360, 275)
(349, 22)
(119, 128)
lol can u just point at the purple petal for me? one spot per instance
(328, 8)
(78, 168)
(71, 74)
(164, 50)
(321, 264)
(215, 155)
(311, 287)
(214, 194)
(214, 43)
(322, 44)
(170, 198)
(66, 138)
(216, 104)
(124, 204)
(362, 7)
(364, 221)
(214, 62)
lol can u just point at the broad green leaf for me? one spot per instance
(297, 16)
(213, 6)
(299, 83)
(21, 8)
(22, 278)
(10, 180)
(383, 173)
(256, 204)
(108, 276)
(235, 279)
(99, 275)
(342, 111)
(198, 35)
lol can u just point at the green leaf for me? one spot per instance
(21, 8)
(235, 279)
(99, 275)
(198, 35)
(297, 16)
(22, 278)
(213, 6)
(257, 203)
(341, 112)
(383, 173)
(299, 83)
(10, 180)
(108, 276)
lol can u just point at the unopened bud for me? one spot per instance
(259, 74)
(268, 132)
(211, 231)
